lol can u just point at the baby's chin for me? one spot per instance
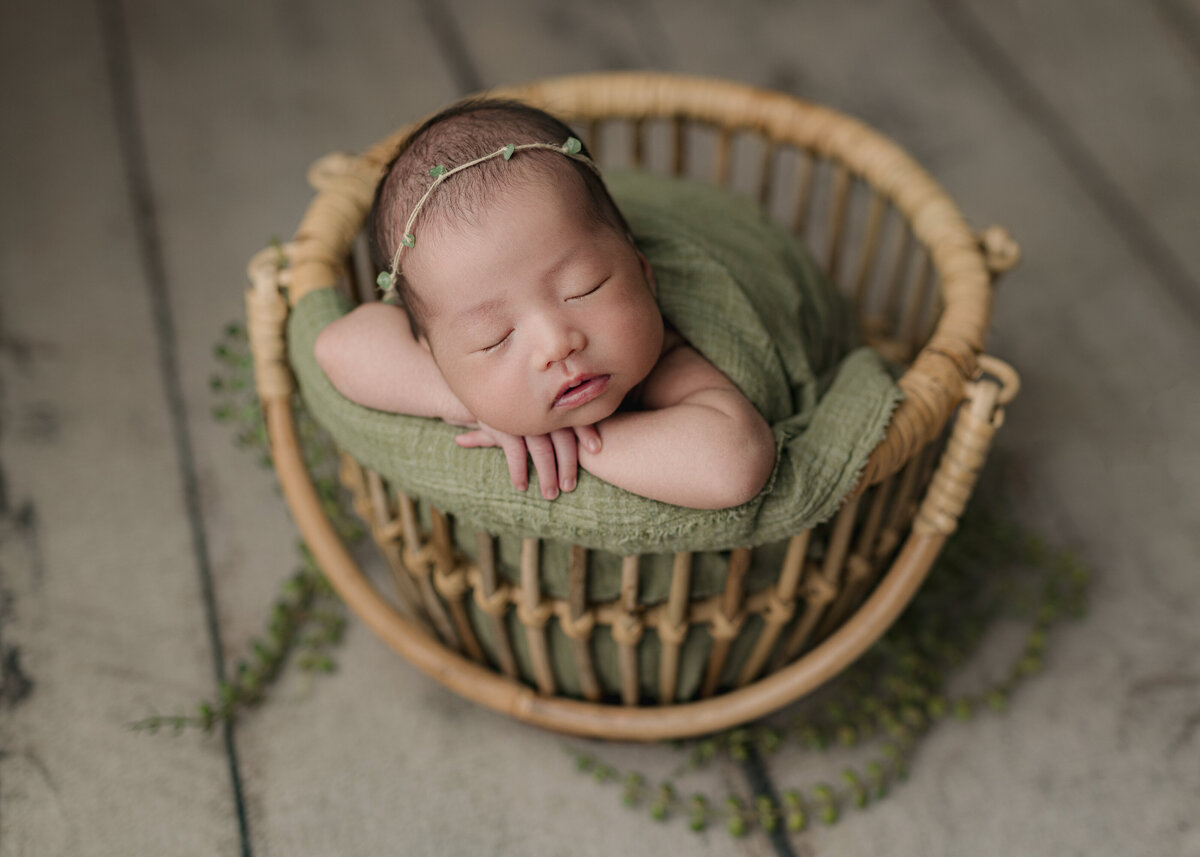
(587, 415)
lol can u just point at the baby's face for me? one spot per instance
(538, 317)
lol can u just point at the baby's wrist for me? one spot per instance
(455, 413)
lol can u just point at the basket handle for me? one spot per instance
(1000, 251)
(980, 415)
(266, 322)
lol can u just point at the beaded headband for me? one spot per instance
(572, 148)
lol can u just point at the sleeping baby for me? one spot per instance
(528, 315)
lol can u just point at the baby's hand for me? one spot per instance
(555, 455)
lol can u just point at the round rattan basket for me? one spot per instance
(921, 283)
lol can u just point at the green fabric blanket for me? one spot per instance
(748, 297)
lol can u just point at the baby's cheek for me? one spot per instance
(471, 390)
(650, 340)
(504, 407)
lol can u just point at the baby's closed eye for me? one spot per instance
(488, 349)
(590, 291)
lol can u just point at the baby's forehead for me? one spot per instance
(542, 176)
(470, 214)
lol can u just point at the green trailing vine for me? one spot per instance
(307, 620)
(992, 569)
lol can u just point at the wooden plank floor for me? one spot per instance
(148, 149)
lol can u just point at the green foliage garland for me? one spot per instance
(307, 619)
(992, 569)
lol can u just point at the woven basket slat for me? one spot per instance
(726, 619)
(855, 574)
(627, 631)
(672, 631)
(576, 627)
(450, 583)
(766, 175)
(832, 572)
(839, 543)
(868, 252)
(868, 537)
(417, 561)
(781, 606)
(837, 222)
(721, 164)
(433, 607)
(638, 143)
(821, 586)
(903, 507)
(679, 146)
(534, 616)
(803, 193)
(493, 607)
(900, 279)
(918, 298)
(866, 561)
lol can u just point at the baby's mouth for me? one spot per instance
(581, 390)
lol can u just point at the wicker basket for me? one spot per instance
(921, 283)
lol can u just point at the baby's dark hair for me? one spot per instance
(461, 133)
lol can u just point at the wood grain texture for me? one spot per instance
(103, 620)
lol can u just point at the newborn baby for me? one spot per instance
(529, 315)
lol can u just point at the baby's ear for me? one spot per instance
(648, 272)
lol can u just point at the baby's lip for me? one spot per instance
(580, 390)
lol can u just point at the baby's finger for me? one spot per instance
(518, 466)
(589, 438)
(541, 450)
(566, 454)
(476, 439)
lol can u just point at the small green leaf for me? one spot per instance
(572, 146)
(438, 170)
(508, 150)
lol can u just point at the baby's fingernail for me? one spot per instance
(521, 486)
(551, 493)
(593, 444)
(568, 485)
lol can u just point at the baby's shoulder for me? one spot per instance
(672, 339)
(681, 370)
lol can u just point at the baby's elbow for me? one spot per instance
(323, 348)
(759, 462)
(748, 466)
(328, 349)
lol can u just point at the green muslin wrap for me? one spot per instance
(746, 294)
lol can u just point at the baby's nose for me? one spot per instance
(561, 342)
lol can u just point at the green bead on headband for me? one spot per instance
(572, 148)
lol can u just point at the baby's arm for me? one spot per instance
(699, 442)
(371, 357)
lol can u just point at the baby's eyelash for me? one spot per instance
(589, 291)
(488, 349)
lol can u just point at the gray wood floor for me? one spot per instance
(147, 149)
